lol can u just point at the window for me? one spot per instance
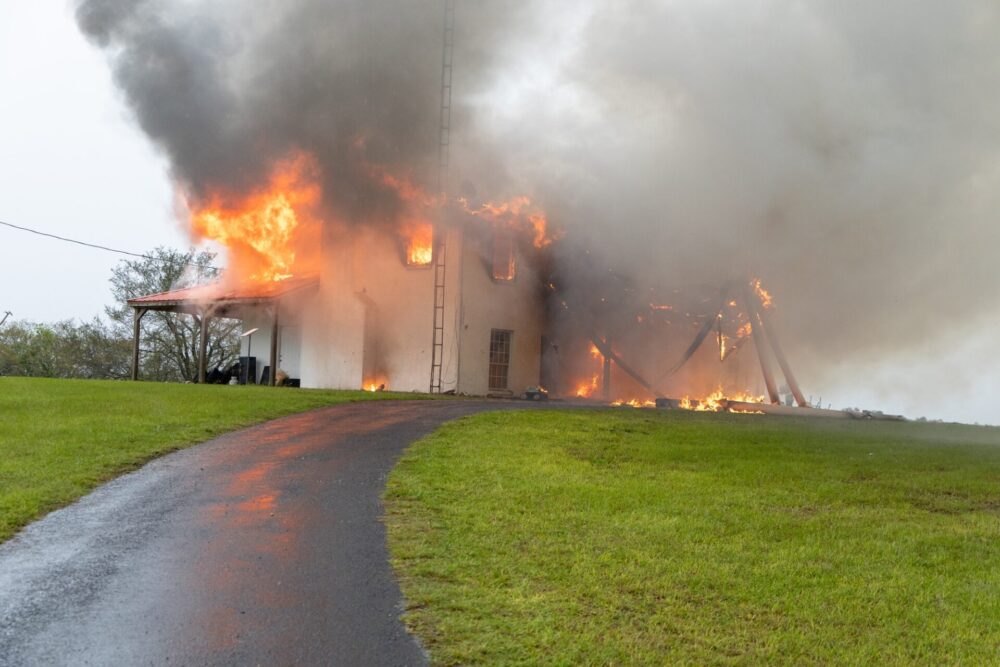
(499, 357)
(419, 245)
(503, 255)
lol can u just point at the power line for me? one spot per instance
(98, 246)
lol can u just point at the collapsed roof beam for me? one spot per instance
(702, 333)
(779, 355)
(758, 343)
(609, 355)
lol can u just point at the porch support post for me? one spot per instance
(137, 315)
(203, 345)
(274, 346)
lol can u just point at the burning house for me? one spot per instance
(439, 294)
(355, 265)
(450, 307)
(474, 304)
(669, 151)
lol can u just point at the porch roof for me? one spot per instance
(222, 296)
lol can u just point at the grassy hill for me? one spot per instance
(641, 537)
(61, 438)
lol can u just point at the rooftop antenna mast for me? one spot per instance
(444, 139)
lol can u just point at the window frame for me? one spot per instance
(504, 362)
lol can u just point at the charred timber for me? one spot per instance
(702, 333)
(609, 355)
(758, 342)
(779, 354)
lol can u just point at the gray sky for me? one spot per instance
(73, 162)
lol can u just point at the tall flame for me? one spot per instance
(419, 243)
(517, 213)
(586, 389)
(415, 225)
(765, 297)
(263, 228)
(420, 207)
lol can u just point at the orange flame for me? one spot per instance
(516, 213)
(262, 229)
(408, 192)
(718, 401)
(633, 403)
(765, 297)
(421, 207)
(419, 243)
(724, 346)
(416, 226)
(586, 389)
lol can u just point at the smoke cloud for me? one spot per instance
(226, 89)
(846, 153)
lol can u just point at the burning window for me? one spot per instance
(419, 240)
(499, 357)
(503, 255)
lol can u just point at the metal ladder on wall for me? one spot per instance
(444, 139)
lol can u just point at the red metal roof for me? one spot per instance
(226, 293)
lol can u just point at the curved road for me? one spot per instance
(263, 546)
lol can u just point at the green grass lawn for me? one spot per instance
(641, 537)
(61, 438)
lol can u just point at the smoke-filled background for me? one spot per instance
(846, 153)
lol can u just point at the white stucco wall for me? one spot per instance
(488, 304)
(371, 319)
(370, 322)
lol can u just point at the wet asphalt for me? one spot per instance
(261, 547)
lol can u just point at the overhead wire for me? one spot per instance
(103, 247)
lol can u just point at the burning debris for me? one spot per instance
(622, 322)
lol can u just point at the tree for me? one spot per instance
(169, 345)
(64, 349)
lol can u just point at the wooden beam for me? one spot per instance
(609, 354)
(703, 332)
(203, 346)
(274, 346)
(137, 316)
(779, 354)
(758, 343)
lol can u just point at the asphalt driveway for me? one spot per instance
(262, 547)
